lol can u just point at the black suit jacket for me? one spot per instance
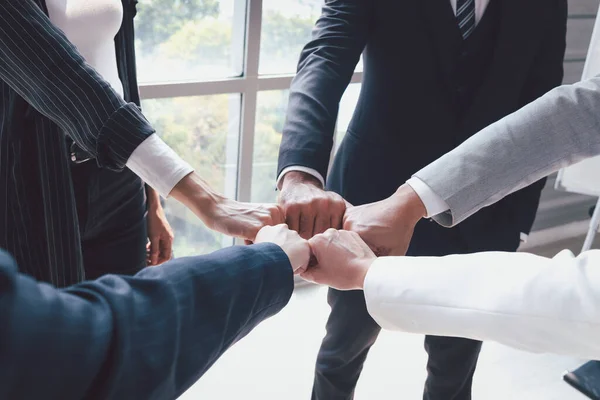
(406, 116)
(150, 336)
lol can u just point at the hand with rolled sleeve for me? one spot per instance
(161, 168)
(308, 208)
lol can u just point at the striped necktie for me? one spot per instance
(465, 16)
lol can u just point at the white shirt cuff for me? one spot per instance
(158, 165)
(434, 204)
(300, 168)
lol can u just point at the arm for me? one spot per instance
(555, 131)
(325, 68)
(518, 299)
(148, 336)
(43, 67)
(525, 301)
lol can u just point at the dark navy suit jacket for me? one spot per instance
(413, 107)
(150, 336)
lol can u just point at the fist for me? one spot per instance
(296, 248)
(342, 260)
(308, 209)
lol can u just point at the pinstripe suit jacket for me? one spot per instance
(149, 336)
(47, 91)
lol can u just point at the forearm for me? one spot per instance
(152, 335)
(521, 300)
(554, 131)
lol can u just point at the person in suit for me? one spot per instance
(75, 148)
(519, 299)
(435, 73)
(148, 336)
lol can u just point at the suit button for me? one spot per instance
(464, 53)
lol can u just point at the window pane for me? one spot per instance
(347, 106)
(286, 27)
(204, 130)
(189, 39)
(270, 117)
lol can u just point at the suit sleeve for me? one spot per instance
(517, 299)
(557, 130)
(546, 74)
(325, 68)
(43, 67)
(148, 336)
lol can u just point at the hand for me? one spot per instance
(160, 234)
(242, 220)
(296, 248)
(308, 208)
(387, 226)
(342, 260)
(233, 218)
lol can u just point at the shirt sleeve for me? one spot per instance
(158, 165)
(299, 168)
(434, 204)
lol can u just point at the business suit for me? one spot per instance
(429, 103)
(48, 92)
(150, 336)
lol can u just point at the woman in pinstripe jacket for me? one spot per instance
(69, 125)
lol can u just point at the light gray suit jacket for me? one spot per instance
(525, 301)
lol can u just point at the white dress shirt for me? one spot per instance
(517, 299)
(91, 25)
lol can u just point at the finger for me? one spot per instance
(337, 221)
(322, 223)
(306, 226)
(309, 275)
(292, 218)
(248, 242)
(154, 250)
(277, 215)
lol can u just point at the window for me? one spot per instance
(215, 88)
(189, 39)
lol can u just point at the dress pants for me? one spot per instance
(111, 207)
(351, 332)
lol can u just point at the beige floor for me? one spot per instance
(275, 362)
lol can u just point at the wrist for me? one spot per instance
(412, 206)
(364, 270)
(298, 177)
(152, 198)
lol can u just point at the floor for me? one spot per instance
(275, 362)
